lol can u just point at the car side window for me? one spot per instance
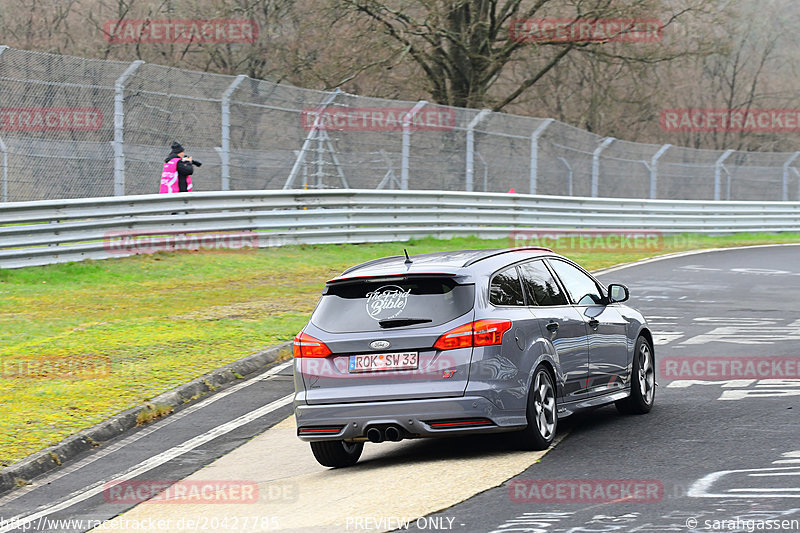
(505, 288)
(540, 286)
(581, 288)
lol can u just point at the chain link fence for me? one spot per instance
(76, 128)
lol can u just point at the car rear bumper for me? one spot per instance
(415, 418)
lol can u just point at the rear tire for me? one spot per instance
(542, 412)
(643, 381)
(337, 453)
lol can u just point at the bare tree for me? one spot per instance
(753, 70)
(465, 47)
(45, 25)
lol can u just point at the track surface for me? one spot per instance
(741, 303)
(715, 450)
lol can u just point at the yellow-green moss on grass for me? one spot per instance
(152, 412)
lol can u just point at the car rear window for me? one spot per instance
(380, 305)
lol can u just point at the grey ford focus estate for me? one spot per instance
(455, 343)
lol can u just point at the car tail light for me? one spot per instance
(478, 333)
(307, 346)
(489, 332)
(460, 337)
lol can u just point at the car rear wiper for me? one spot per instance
(399, 322)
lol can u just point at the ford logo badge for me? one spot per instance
(379, 345)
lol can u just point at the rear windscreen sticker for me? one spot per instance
(387, 302)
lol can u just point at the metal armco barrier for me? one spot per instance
(56, 231)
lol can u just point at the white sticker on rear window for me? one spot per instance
(387, 302)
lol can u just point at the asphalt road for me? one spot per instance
(711, 451)
(721, 449)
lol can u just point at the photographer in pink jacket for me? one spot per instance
(178, 167)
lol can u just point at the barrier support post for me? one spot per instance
(469, 187)
(718, 173)
(786, 165)
(407, 118)
(654, 170)
(119, 127)
(534, 177)
(596, 165)
(225, 152)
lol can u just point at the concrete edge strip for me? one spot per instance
(54, 456)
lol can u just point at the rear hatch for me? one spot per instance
(381, 334)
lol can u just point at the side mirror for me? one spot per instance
(618, 292)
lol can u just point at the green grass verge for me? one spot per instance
(143, 325)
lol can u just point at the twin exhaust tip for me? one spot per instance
(391, 433)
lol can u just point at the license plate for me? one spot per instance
(381, 362)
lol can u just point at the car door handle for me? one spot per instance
(552, 326)
(594, 323)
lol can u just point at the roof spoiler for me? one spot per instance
(397, 275)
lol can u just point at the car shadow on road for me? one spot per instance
(602, 426)
(441, 449)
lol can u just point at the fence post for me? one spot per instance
(225, 154)
(407, 143)
(312, 133)
(718, 172)
(534, 177)
(654, 170)
(786, 175)
(471, 147)
(485, 172)
(119, 127)
(4, 150)
(796, 173)
(569, 175)
(596, 165)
